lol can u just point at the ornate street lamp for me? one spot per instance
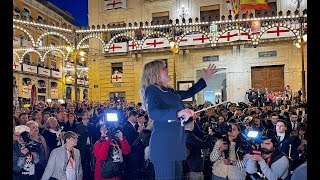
(174, 49)
(75, 62)
(300, 44)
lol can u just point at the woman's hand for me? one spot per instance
(185, 114)
(223, 147)
(207, 73)
(119, 135)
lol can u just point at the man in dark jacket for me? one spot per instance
(194, 162)
(129, 130)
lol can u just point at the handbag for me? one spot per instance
(110, 169)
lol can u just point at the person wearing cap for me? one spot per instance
(25, 158)
(272, 163)
(65, 161)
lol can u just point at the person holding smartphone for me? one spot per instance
(226, 164)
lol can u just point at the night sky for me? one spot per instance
(78, 9)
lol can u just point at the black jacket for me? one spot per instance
(195, 145)
(129, 132)
(284, 146)
(84, 132)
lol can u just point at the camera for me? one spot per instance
(110, 119)
(221, 129)
(31, 145)
(249, 144)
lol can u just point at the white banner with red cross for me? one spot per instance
(26, 89)
(118, 47)
(43, 71)
(155, 43)
(277, 32)
(229, 36)
(132, 46)
(194, 39)
(54, 93)
(245, 36)
(114, 4)
(30, 69)
(17, 66)
(117, 77)
(80, 82)
(56, 74)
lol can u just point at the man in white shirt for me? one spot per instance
(287, 144)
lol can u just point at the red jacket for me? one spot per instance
(100, 151)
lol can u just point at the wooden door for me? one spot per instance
(271, 77)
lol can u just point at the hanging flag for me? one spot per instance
(116, 77)
(114, 4)
(235, 7)
(232, 7)
(254, 5)
(255, 26)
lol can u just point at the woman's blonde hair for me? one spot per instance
(150, 76)
(46, 125)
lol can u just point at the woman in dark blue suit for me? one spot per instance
(165, 105)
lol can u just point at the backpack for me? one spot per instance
(113, 166)
(110, 169)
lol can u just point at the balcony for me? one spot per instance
(193, 33)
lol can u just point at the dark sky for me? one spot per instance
(78, 9)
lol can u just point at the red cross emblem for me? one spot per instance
(54, 91)
(278, 31)
(30, 68)
(117, 77)
(115, 47)
(132, 45)
(113, 3)
(202, 39)
(154, 43)
(15, 65)
(80, 81)
(45, 71)
(228, 36)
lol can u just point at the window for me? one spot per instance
(40, 42)
(160, 17)
(210, 13)
(210, 58)
(26, 59)
(116, 68)
(273, 8)
(41, 86)
(117, 96)
(53, 65)
(52, 43)
(40, 19)
(26, 12)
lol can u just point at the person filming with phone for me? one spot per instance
(109, 151)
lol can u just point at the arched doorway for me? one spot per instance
(68, 93)
(216, 87)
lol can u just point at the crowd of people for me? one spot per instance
(76, 141)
